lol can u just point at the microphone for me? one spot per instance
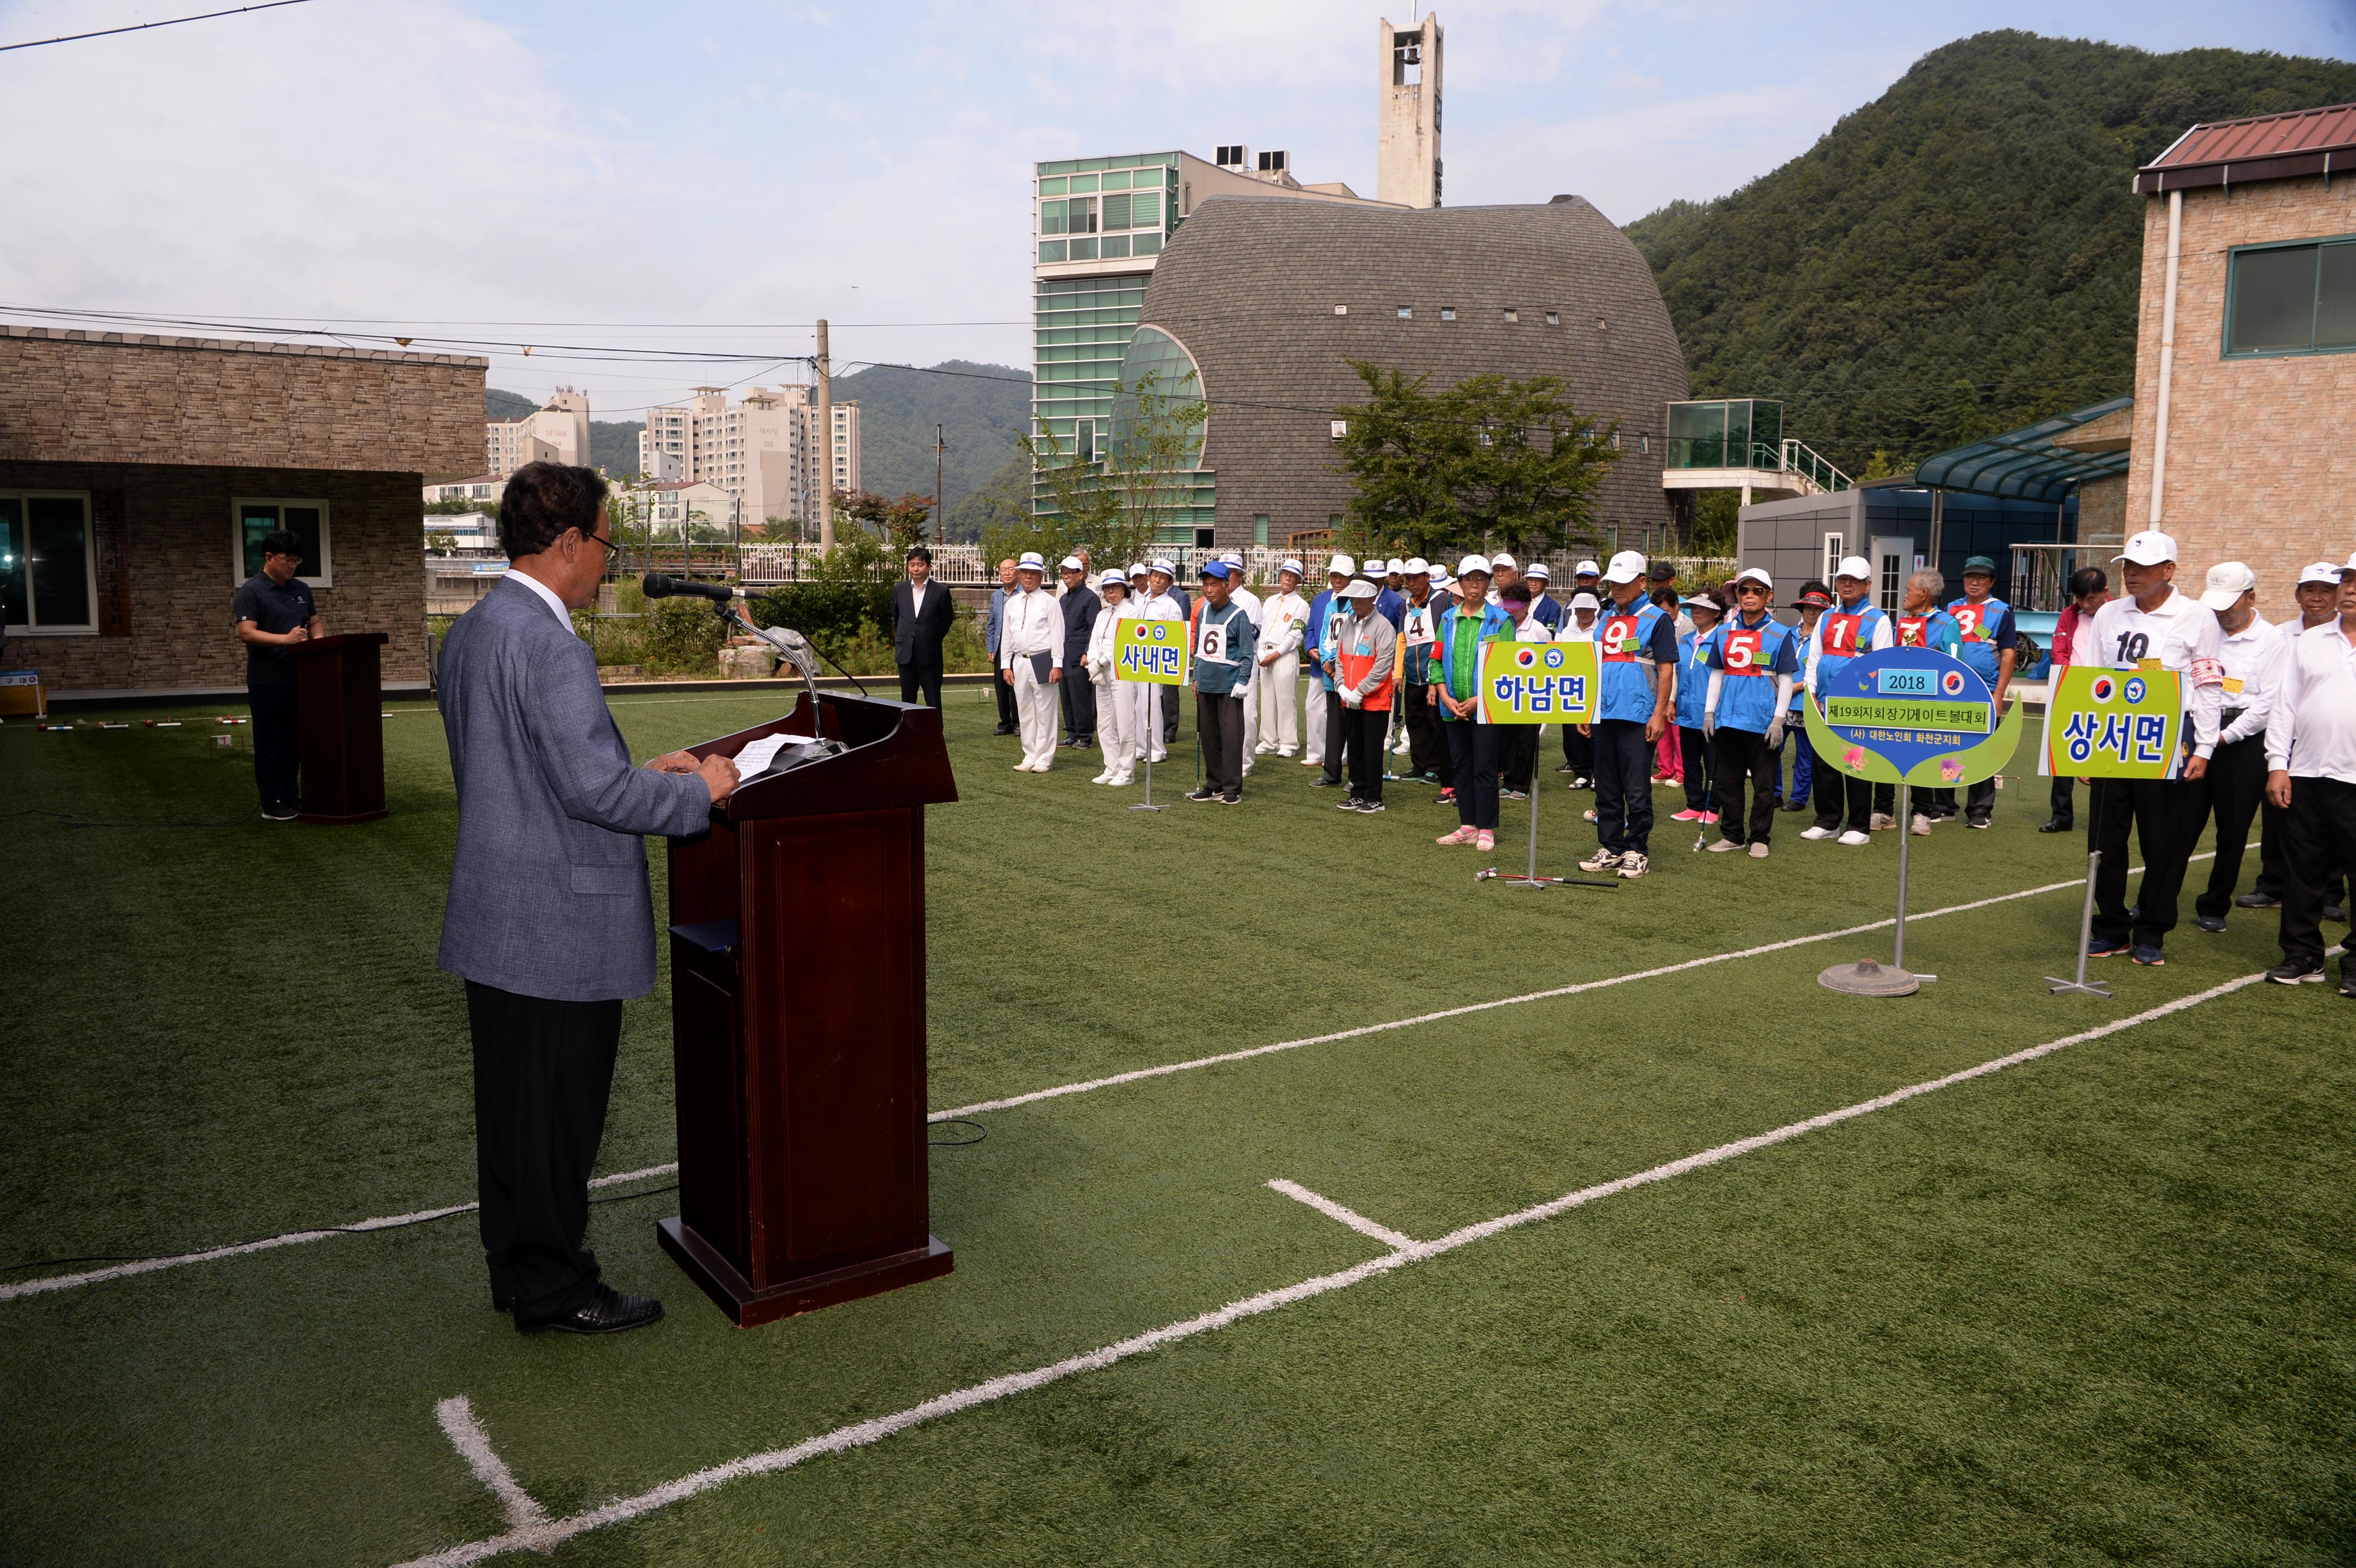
(654, 585)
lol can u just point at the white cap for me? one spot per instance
(1138, 569)
(2228, 580)
(1441, 582)
(1855, 566)
(1502, 558)
(1472, 563)
(1071, 563)
(2321, 572)
(2348, 566)
(1161, 564)
(1416, 567)
(1358, 588)
(1538, 569)
(1112, 579)
(1626, 567)
(1584, 601)
(1290, 565)
(1341, 564)
(1232, 557)
(1031, 561)
(1587, 569)
(2149, 548)
(1753, 574)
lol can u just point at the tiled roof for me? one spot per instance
(238, 345)
(2267, 147)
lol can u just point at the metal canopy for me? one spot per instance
(2025, 464)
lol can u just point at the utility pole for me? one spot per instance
(940, 452)
(825, 443)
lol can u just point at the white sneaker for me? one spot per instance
(1883, 822)
(1632, 865)
(1817, 830)
(1757, 850)
(1262, 750)
(1602, 860)
(1852, 838)
(1104, 778)
(1724, 845)
(1922, 829)
(1118, 779)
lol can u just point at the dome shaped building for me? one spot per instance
(1267, 301)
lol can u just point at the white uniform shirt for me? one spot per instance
(1249, 604)
(2182, 635)
(1287, 616)
(2253, 657)
(1102, 655)
(1033, 624)
(1572, 632)
(2311, 733)
(1159, 607)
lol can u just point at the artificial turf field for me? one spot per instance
(2096, 1308)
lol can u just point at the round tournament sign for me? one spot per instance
(1915, 715)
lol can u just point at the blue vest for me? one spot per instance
(1620, 636)
(1848, 633)
(1749, 656)
(1978, 624)
(1693, 679)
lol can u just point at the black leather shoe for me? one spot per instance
(2209, 923)
(2338, 912)
(2257, 900)
(607, 1312)
(2055, 824)
(1003, 730)
(1794, 805)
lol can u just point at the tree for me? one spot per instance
(1116, 504)
(1400, 449)
(440, 541)
(900, 522)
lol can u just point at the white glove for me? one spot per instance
(1708, 724)
(1775, 733)
(1351, 699)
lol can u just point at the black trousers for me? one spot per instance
(1624, 785)
(2062, 797)
(1472, 754)
(543, 1070)
(1695, 747)
(1079, 703)
(277, 742)
(2318, 833)
(1578, 750)
(1219, 721)
(1169, 719)
(2161, 813)
(1517, 757)
(1337, 737)
(1938, 804)
(1979, 801)
(1427, 748)
(1364, 729)
(924, 679)
(2230, 791)
(1743, 758)
(1006, 714)
(2272, 879)
(1837, 791)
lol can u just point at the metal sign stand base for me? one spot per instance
(1869, 979)
(1148, 805)
(2082, 986)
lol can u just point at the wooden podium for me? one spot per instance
(340, 689)
(798, 1019)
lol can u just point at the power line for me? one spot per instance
(142, 26)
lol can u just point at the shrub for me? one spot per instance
(679, 636)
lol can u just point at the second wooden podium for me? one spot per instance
(797, 1018)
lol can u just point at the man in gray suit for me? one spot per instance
(549, 921)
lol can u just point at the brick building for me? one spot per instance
(139, 474)
(2239, 448)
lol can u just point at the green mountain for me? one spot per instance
(1960, 256)
(983, 409)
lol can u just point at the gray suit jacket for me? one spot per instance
(548, 890)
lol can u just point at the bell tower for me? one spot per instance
(1406, 151)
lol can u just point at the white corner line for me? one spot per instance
(543, 1537)
(1350, 1217)
(268, 1244)
(1140, 1074)
(474, 1446)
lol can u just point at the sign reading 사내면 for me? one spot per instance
(1154, 652)
(1537, 683)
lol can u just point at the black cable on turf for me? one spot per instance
(304, 1231)
(979, 1133)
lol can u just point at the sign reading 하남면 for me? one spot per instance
(1150, 651)
(2113, 724)
(1912, 715)
(1537, 683)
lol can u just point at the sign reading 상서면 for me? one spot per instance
(2114, 724)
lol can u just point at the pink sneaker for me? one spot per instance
(1687, 815)
(1708, 819)
(1461, 836)
(1486, 842)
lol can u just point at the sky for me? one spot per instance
(710, 178)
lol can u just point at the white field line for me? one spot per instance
(385, 1221)
(1142, 1073)
(474, 1446)
(1350, 1217)
(293, 1238)
(547, 1536)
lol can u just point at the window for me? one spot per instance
(1259, 528)
(1832, 555)
(1511, 315)
(1448, 313)
(1341, 310)
(48, 576)
(1080, 215)
(254, 521)
(1116, 212)
(1145, 209)
(1341, 429)
(1406, 312)
(2292, 298)
(1554, 318)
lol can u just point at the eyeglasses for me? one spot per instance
(610, 546)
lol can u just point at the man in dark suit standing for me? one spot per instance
(1080, 606)
(921, 614)
(551, 921)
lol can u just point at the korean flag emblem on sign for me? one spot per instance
(1212, 644)
(1952, 683)
(2104, 689)
(1525, 658)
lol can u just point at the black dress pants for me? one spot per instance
(1079, 704)
(1337, 737)
(2273, 882)
(1427, 749)
(2062, 798)
(1578, 750)
(1169, 717)
(923, 681)
(1472, 754)
(1007, 717)
(1979, 801)
(277, 742)
(1219, 720)
(2161, 813)
(1365, 728)
(1743, 758)
(1695, 748)
(1517, 757)
(1624, 785)
(2230, 790)
(543, 1070)
(1837, 791)
(2318, 833)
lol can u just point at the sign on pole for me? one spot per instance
(1907, 717)
(2108, 724)
(1150, 651)
(1537, 683)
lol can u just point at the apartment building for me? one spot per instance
(762, 450)
(556, 432)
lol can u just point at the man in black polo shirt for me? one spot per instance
(274, 612)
